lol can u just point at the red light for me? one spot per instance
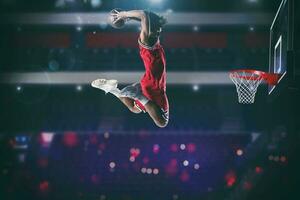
(184, 177)
(174, 147)
(44, 186)
(230, 178)
(191, 147)
(134, 152)
(230, 182)
(172, 167)
(173, 162)
(155, 149)
(70, 139)
(95, 179)
(93, 139)
(258, 170)
(102, 146)
(247, 186)
(146, 160)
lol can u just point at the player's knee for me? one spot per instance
(131, 109)
(135, 110)
(161, 123)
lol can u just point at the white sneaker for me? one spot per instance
(105, 85)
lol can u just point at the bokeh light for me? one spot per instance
(239, 152)
(70, 139)
(196, 166)
(182, 146)
(112, 165)
(155, 171)
(185, 163)
(155, 148)
(230, 178)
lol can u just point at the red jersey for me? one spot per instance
(153, 82)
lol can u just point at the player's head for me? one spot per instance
(156, 24)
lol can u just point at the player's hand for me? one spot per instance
(118, 15)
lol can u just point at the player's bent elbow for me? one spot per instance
(144, 19)
(143, 14)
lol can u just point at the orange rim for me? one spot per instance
(270, 78)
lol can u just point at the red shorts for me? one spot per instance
(153, 82)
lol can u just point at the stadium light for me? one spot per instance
(182, 146)
(239, 152)
(131, 158)
(186, 163)
(155, 148)
(169, 11)
(195, 87)
(112, 165)
(155, 1)
(196, 166)
(21, 142)
(79, 88)
(102, 197)
(46, 138)
(149, 171)
(60, 4)
(144, 170)
(195, 28)
(106, 135)
(96, 3)
(19, 88)
(79, 28)
(155, 171)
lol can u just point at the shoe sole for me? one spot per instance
(109, 83)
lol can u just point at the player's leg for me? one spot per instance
(129, 103)
(111, 86)
(156, 113)
(159, 117)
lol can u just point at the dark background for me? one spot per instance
(91, 130)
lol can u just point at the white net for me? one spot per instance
(246, 85)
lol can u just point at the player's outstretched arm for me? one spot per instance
(141, 16)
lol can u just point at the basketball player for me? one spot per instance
(149, 95)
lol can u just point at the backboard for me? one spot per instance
(281, 44)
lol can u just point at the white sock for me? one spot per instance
(134, 92)
(144, 100)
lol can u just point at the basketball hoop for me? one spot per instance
(247, 82)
